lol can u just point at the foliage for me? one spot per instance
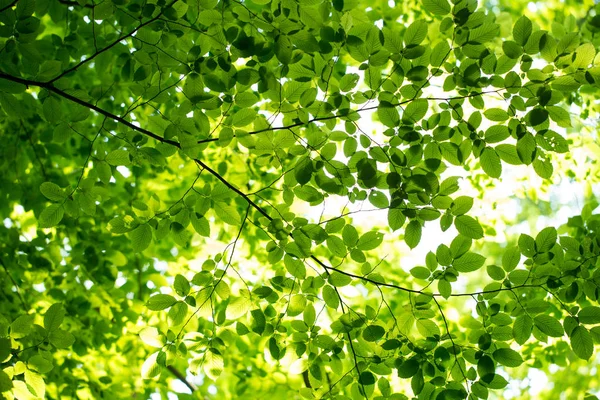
(192, 193)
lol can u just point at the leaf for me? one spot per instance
(200, 224)
(527, 245)
(373, 333)
(54, 317)
(227, 214)
(496, 114)
(141, 237)
(370, 241)
(522, 328)
(52, 191)
(469, 262)
(437, 7)
(244, 117)
(546, 239)
(511, 258)
(560, 116)
(490, 162)
(522, 30)
(415, 33)
(51, 216)
(160, 302)
(150, 367)
(21, 326)
(412, 233)
(330, 297)
(336, 246)
(177, 313)
(5, 382)
(508, 357)
(548, 325)
(152, 337)
(415, 111)
(388, 115)
(468, 226)
(338, 279)
(582, 343)
(508, 153)
(118, 157)
(181, 285)
(213, 364)
(589, 315)
(461, 205)
(496, 133)
(61, 339)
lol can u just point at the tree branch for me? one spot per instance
(182, 378)
(11, 5)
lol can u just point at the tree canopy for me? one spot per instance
(347, 199)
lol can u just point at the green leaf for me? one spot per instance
(388, 115)
(396, 218)
(227, 213)
(589, 315)
(150, 367)
(496, 114)
(54, 317)
(5, 382)
(160, 302)
(21, 326)
(244, 117)
(141, 237)
(527, 245)
(522, 328)
(373, 333)
(511, 258)
(508, 153)
(490, 162)
(522, 30)
(200, 224)
(181, 285)
(582, 343)
(461, 205)
(412, 233)
(52, 191)
(415, 111)
(61, 339)
(548, 325)
(152, 337)
(370, 241)
(51, 216)
(496, 133)
(331, 297)
(338, 279)
(336, 246)
(560, 116)
(508, 357)
(469, 262)
(178, 313)
(468, 226)
(118, 157)
(415, 33)
(437, 7)
(546, 239)
(444, 288)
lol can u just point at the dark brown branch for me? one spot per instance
(51, 88)
(181, 377)
(11, 5)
